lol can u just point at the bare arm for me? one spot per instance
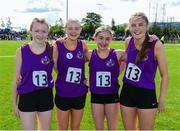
(160, 57)
(153, 37)
(17, 80)
(87, 52)
(127, 42)
(55, 56)
(123, 56)
(120, 54)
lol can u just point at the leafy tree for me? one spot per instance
(56, 31)
(8, 23)
(2, 23)
(155, 29)
(119, 30)
(90, 23)
(113, 26)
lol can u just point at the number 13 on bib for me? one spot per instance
(133, 72)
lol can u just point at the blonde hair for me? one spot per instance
(72, 21)
(39, 20)
(49, 46)
(104, 28)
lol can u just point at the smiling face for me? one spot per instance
(73, 30)
(39, 32)
(138, 27)
(103, 39)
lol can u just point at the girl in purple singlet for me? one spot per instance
(138, 95)
(104, 69)
(70, 85)
(33, 82)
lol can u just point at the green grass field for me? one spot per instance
(169, 120)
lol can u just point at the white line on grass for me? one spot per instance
(7, 56)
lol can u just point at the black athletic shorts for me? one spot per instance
(39, 100)
(67, 103)
(138, 97)
(104, 98)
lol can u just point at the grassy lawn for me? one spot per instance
(169, 120)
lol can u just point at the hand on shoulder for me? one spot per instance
(153, 37)
(159, 50)
(121, 55)
(127, 40)
(158, 45)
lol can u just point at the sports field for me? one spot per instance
(169, 120)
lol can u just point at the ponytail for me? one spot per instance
(50, 50)
(146, 45)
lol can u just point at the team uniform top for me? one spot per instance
(140, 75)
(36, 71)
(104, 73)
(71, 77)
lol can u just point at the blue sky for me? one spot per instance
(22, 12)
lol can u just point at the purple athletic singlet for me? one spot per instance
(140, 75)
(36, 71)
(104, 73)
(70, 80)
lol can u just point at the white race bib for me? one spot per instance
(103, 79)
(73, 75)
(40, 78)
(133, 72)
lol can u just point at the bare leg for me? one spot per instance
(28, 120)
(98, 111)
(62, 119)
(111, 111)
(44, 120)
(146, 118)
(76, 118)
(129, 117)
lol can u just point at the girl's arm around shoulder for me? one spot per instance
(55, 56)
(87, 52)
(127, 41)
(161, 59)
(121, 55)
(85, 47)
(153, 37)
